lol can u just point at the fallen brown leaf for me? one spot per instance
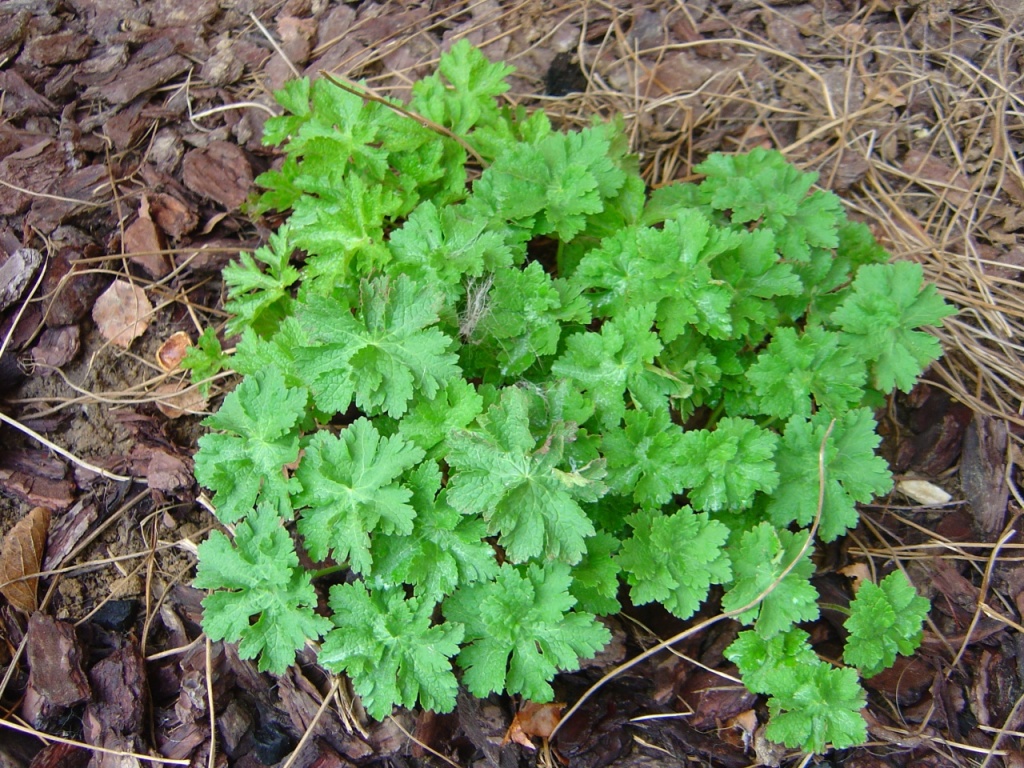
(20, 556)
(533, 720)
(177, 400)
(122, 313)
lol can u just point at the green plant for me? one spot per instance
(491, 379)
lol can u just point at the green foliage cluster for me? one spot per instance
(500, 395)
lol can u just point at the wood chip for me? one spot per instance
(143, 240)
(983, 473)
(220, 172)
(55, 662)
(152, 66)
(122, 313)
(25, 474)
(173, 216)
(16, 273)
(56, 347)
(62, 47)
(21, 556)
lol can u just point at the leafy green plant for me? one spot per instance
(492, 380)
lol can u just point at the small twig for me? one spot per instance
(47, 737)
(66, 454)
(273, 42)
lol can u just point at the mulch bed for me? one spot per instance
(129, 142)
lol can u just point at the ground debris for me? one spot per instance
(21, 556)
(36, 477)
(56, 347)
(56, 677)
(220, 172)
(115, 716)
(122, 313)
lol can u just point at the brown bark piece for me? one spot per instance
(32, 169)
(69, 289)
(56, 347)
(15, 274)
(172, 215)
(152, 66)
(55, 662)
(67, 532)
(127, 126)
(59, 755)
(220, 172)
(31, 476)
(20, 99)
(983, 473)
(168, 473)
(13, 29)
(50, 50)
(89, 186)
(115, 717)
(21, 556)
(142, 239)
(122, 313)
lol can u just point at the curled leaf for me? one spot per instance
(21, 556)
(172, 351)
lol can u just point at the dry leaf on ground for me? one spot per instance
(172, 351)
(122, 313)
(20, 556)
(533, 720)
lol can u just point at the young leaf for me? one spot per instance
(246, 465)
(885, 619)
(551, 186)
(771, 665)
(391, 650)
(258, 577)
(205, 359)
(880, 318)
(521, 630)
(442, 247)
(674, 559)
(666, 266)
(383, 355)
(822, 708)
(429, 422)
(521, 319)
(501, 473)
(595, 579)
(617, 359)
(350, 490)
(257, 298)
(443, 550)
(462, 94)
(724, 468)
(794, 368)
(852, 472)
(762, 186)
(646, 458)
(758, 561)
